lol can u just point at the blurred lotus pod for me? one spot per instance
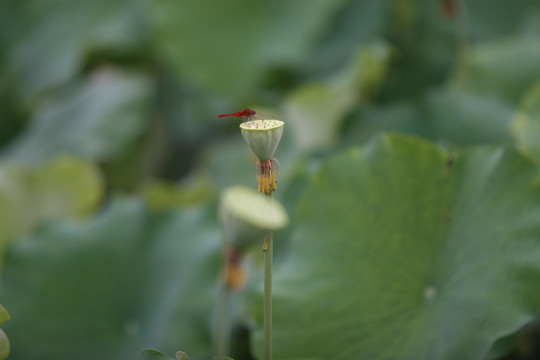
(4, 341)
(180, 355)
(4, 345)
(263, 136)
(248, 215)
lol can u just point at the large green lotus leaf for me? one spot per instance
(227, 46)
(497, 19)
(316, 110)
(353, 23)
(96, 118)
(54, 37)
(399, 255)
(466, 118)
(402, 117)
(424, 47)
(505, 68)
(28, 195)
(108, 287)
(448, 115)
(151, 354)
(428, 43)
(526, 123)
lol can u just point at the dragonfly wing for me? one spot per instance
(263, 116)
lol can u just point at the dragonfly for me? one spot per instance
(248, 115)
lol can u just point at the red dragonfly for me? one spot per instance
(248, 115)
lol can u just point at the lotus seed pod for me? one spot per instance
(262, 136)
(4, 345)
(248, 216)
(180, 355)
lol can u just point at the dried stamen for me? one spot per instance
(234, 275)
(266, 176)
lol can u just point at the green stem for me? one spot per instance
(223, 332)
(268, 253)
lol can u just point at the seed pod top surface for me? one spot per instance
(263, 136)
(249, 206)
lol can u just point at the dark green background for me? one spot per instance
(421, 244)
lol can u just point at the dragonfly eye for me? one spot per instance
(252, 112)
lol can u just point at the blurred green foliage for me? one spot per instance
(4, 341)
(422, 246)
(151, 354)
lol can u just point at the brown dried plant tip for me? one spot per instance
(267, 175)
(234, 275)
